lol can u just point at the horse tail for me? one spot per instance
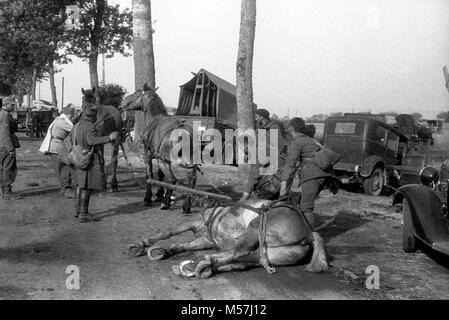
(319, 262)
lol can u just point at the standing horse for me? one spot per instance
(283, 238)
(109, 120)
(158, 145)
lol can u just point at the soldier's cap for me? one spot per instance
(263, 113)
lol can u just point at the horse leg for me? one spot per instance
(159, 252)
(160, 190)
(187, 204)
(196, 225)
(246, 243)
(149, 174)
(168, 172)
(114, 164)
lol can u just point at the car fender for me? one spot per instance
(369, 164)
(425, 209)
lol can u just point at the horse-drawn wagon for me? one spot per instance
(34, 121)
(209, 99)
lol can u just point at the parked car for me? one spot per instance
(370, 149)
(425, 212)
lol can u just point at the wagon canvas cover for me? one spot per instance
(208, 95)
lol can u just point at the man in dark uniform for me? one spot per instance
(8, 144)
(263, 122)
(94, 178)
(312, 178)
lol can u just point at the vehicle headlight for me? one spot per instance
(429, 176)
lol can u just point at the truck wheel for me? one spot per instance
(408, 237)
(374, 184)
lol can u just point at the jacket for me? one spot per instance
(8, 139)
(300, 154)
(85, 134)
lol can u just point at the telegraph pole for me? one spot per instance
(62, 94)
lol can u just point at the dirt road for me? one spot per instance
(39, 239)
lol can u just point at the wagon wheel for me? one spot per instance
(408, 238)
(204, 269)
(374, 184)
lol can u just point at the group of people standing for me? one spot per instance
(296, 149)
(83, 132)
(75, 183)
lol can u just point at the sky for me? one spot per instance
(310, 57)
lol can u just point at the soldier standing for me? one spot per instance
(263, 122)
(93, 179)
(57, 132)
(312, 178)
(8, 144)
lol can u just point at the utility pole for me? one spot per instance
(62, 94)
(103, 81)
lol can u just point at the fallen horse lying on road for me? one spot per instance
(249, 234)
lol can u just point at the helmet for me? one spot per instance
(429, 176)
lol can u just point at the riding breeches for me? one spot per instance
(8, 168)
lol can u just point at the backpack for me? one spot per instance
(325, 158)
(75, 154)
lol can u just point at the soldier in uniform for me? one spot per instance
(312, 178)
(8, 144)
(57, 133)
(93, 179)
(263, 122)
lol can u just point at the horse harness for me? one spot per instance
(262, 234)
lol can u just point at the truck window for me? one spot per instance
(381, 136)
(345, 128)
(393, 141)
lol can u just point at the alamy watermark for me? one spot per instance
(210, 147)
(373, 279)
(73, 280)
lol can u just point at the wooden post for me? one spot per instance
(62, 95)
(189, 191)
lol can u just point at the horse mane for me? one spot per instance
(157, 106)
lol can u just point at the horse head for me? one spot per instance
(146, 100)
(89, 98)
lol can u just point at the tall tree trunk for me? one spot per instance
(245, 109)
(95, 45)
(54, 97)
(33, 84)
(145, 71)
(93, 69)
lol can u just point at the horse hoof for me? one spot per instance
(164, 206)
(204, 269)
(156, 253)
(136, 250)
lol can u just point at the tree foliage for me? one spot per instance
(112, 34)
(111, 94)
(31, 33)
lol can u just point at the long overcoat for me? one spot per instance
(86, 135)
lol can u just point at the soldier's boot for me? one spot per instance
(310, 216)
(85, 216)
(76, 213)
(7, 194)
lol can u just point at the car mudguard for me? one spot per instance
(426, 211)
(369, 164)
